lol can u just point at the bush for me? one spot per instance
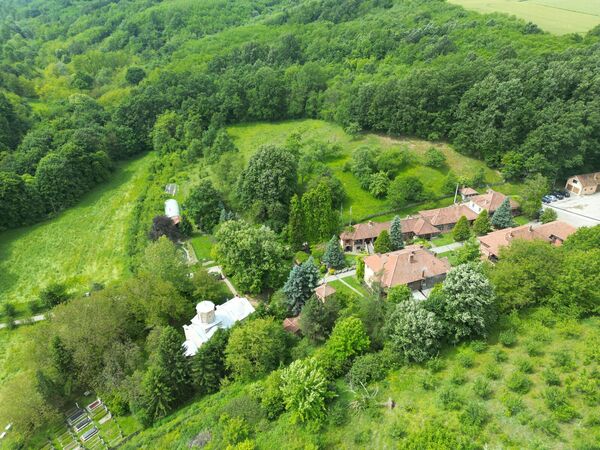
(513, 404)
(482, 388)
(429, 382)
(449, 399)
(398, 429)
(551, 378)
(54, 294)
(492, 371)
(508, 338)
(547, 426)
(556, 401)
(458, 376)
(244, 407)
(518, 382)
(338, 413)
(436, 364)
(271, 398)
(404, 190)
(533, 347)
(474, 415)
(466, 358)
(499, 355)
(479, 346)
(435, 158)
(548, 215)
(524, 365)
(563, 360)
(366, 369)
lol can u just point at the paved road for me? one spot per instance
(329, 278)
(37, 318)
(447, 248)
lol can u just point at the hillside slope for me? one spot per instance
(84, 244)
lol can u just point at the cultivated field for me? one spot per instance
(248, 137)
(555, 16)
(84, 244)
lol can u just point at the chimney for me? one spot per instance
(423, 273)
(530, 228)
(370, 223)
(411, 256)
(511, 234)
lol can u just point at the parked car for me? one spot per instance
(558, 195)
(552, 198)
(546, 199)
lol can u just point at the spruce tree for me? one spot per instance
(502, 217)
(296, 235)
(383, 244)
(461, 231)
(300, 285)
(334, 256)
(396, 234)
(482, 224)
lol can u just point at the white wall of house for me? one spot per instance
(369, 275)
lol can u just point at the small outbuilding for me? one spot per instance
(172, 210)
(324, 291)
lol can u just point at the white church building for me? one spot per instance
(210, 318)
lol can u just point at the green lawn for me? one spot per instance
(352, 281)
(359, 203)
(85, 244)
(521, 220)
(202, 244)
(443, 239)
(555, 16)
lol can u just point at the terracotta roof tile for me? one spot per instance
(413, 263)
(588, 179)
(324, 291)
(448, 215)
(492, 200)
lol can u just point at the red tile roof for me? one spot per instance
(588, 179)
(292, 324)
(413, 263)
(324, 291)
(448, 215)
(492, 200)
(558, 229)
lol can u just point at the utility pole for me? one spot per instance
(455, 192)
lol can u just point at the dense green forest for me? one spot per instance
(88, 83)
(270, 114)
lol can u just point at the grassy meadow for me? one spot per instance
(359, 203)
(555, 16)
(82, 245)
(535, 391)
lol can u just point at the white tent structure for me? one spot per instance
(172, 210)
(210, 318)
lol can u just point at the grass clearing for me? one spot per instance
(84, 244)
(556, 16)
(202, 244)
(359, 203)
(443, 239)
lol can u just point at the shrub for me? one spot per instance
(338, 413)
(533, 347)
(435, 364)
(499, 355)
(513, 404)
(524, 365)
(492, 371)
(429, 382)
(518, 382)
(548, 215)
(479, 346)
(271, 398)
(482, 388)
(54, 294)
(551, 377)
(398, 429)
(366, 369)
(563, 360)
(466, 358)
(508, 338)
(449, 399)
(244, 407)
(458, 376)
(588, 385)
(435, 158)
(363, 437)
(474, 415)
(546, 426)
